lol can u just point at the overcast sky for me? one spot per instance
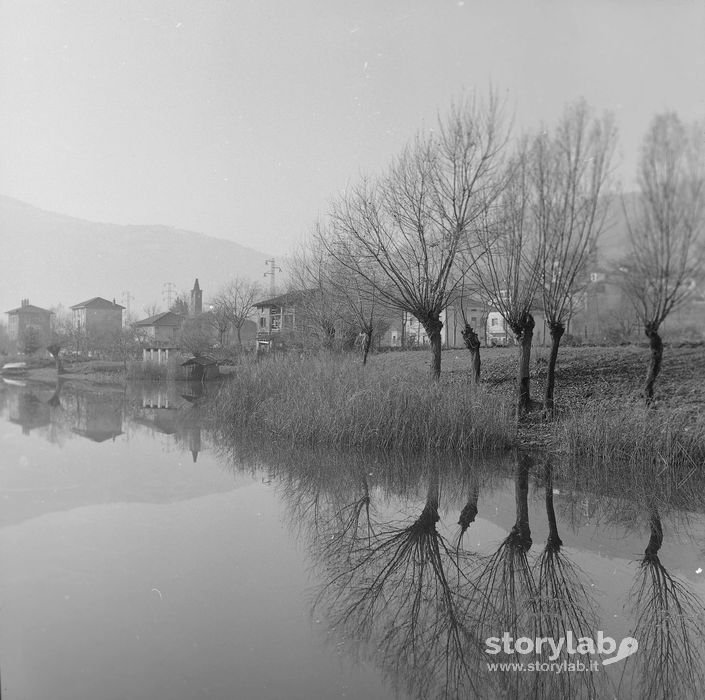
(241, 118)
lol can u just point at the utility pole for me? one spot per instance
(126, 299)
(168, 292)
(271, 274)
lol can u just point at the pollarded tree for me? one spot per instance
(403, 232)
(570, 167)
(506, 260)
(666, 228)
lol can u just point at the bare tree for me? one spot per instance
(668, 626)
(151, 309)
(570, 170)
(665, 228)
(320, 310)
(233, 306)
(505, 256)
(352, 299)
(180, 305)
(403, 232)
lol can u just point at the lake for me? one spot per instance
(145, 553)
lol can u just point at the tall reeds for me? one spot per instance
(331, 401)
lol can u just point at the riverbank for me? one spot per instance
(392, 405)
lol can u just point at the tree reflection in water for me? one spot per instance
(563, 604)
(404, 591)
(506, 588)
(421, 606)
(668, 627)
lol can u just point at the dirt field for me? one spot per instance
(583, 374)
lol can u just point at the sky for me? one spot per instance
(242, 119)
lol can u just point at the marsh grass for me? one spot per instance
(650, 456)
(331, 401)
(633, 434)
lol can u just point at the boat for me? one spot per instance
(13, 369)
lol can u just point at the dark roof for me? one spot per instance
(203, 360)
(30, 308)
(287, 298)
(167, 318)
(97, 303)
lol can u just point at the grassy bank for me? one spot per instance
(333, 401)
(391, 404)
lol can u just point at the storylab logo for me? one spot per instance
(552, 649)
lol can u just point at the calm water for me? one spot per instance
(143, 557)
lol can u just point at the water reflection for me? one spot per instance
(668, 627)
(414, 563)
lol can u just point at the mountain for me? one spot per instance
(53, 259)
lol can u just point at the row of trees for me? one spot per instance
(467, 209)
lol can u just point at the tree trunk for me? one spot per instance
(524, 332)
(656, 347)
(433, 326)
(554, 541)
(239, 338)
(472, 342)
(366, 343)
(521, 532)
(556, 329)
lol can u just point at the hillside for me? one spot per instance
(54, 259)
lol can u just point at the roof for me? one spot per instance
(29, 308)
(167, 318)
(203, 360)
(97, 303)
(292, 297)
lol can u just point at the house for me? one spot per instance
(499, 332)
(98, 319)
(28, 325)
(201, 368)
(163, 327)
(281, 318)
(405, 330)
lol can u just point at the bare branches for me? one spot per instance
(571, 170)
(666, 227)
(403, 232)
(233, 306)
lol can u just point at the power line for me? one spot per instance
(168, 293)
(273, 268)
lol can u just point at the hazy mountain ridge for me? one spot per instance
(56, 259)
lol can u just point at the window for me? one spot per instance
(494, 322)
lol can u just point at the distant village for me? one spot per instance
(99, 327)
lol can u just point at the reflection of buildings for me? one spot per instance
(98, 417)
(28, 410)
(165, 411)
(158, 410)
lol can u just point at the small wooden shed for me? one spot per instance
(201, 368)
